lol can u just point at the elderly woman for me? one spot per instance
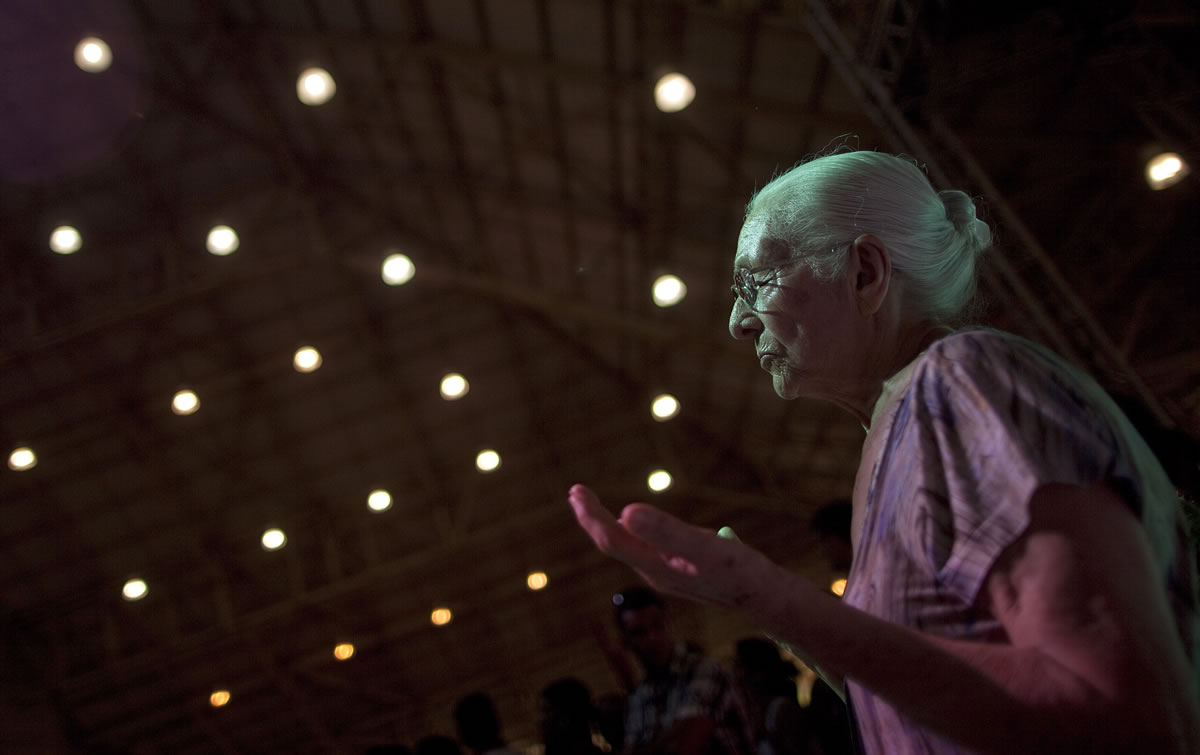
(1021, 581)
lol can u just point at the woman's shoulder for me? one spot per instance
(991, 352)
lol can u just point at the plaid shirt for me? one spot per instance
(692, 686)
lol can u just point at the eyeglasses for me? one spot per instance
(746, 286)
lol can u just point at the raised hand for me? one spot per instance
(673, 556)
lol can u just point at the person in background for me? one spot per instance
(437, 744)
(478, 725)
(767, 686)
(686, 704)
(566, 715)
(1022, 579)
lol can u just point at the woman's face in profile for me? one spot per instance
(801, 327)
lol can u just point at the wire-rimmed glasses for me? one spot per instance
(746, 286)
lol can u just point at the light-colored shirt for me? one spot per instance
(960, 441)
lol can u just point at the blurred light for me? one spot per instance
(315, 86)
(838, 586)
(487, 461)
(343, 651)
(674, 92)
(273, 539)
(1165, 169)
(222, 240)
(93, 55)
(21, 459)
(398, 269)
(454, 386)
(185, 402)
(219, 698)
(659, 480)
(65, 240)
(307, 359)
(134, 589)
(441, 616)
(537, 580)
(664, 407)
(668, 291)
(379, 500)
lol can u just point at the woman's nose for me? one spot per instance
(744, 324)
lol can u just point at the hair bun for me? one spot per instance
(960, 211)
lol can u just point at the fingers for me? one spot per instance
(609, 535)
(664, 531)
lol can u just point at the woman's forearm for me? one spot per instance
(989, 697)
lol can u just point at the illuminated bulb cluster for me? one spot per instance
(659, 480)
(65, 240)
(93, 55)
(537, 580)
(306, 359)
(1165, 170)
(379, 500)
(185, 402)
(398, 269)
(273, 539)
(134, 589)
(664, 407)
(441, 616)
(487, 461)
(21, 459)
(343, 651)
(673, 92)
(222, 240)
(454, 386)
(315, 86)
(668, 291)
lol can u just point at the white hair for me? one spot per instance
(819, 207)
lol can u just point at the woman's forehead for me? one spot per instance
(756, 249)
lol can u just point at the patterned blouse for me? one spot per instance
(960, 441)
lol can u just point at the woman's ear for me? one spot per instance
(870, 271)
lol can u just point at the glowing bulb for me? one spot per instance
(134, 589)
(1165, 169)
(21, 459)
(398, 269)
(307, 359)
(65, 240)
(454, 386)
(673, 92)
(838, 586)
(222, 240)
(659, 480)
(343, 651)
(185, 402)
(487, 461)
(93, 55)
(441, 616)
(219, 698)
(315, 86)
(379, 500)
(664, 407)
(273, 539)
(537, 580)
(668, 291)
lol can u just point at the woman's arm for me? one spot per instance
(1093, 663)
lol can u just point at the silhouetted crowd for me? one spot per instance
(685, 703)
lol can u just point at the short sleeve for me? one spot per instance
(989, 419)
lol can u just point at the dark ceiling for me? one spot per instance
(512, 150)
